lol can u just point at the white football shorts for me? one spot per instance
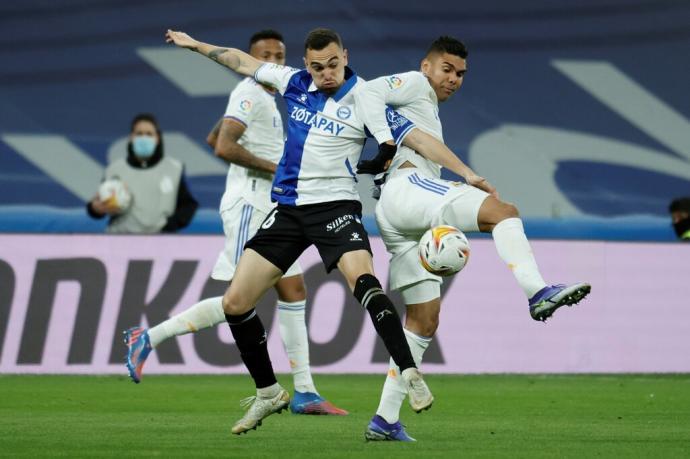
(411, 203)
(240, 223)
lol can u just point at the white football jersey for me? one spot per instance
(254, 107)
(324, 140)
(411, 95)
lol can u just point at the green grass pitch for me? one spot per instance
(473, 416)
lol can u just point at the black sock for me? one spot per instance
(250, 337)
(386, 320)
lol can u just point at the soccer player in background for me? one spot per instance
(414, 198)
(318, 204)
(250, 138)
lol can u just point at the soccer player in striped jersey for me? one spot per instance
(318, 204)
(250, 138)
(414, 198)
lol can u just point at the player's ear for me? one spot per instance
(304, 59)
(425, 65)
(345, 56)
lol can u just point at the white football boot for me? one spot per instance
(420, 395)
(259, 408)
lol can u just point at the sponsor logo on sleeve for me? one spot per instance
(394, 82)
(246, 106)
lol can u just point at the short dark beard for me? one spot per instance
(330, 92)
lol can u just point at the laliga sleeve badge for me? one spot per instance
(246, 106)
(394, 82)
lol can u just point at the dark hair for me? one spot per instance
(266, 34)
(450, 45)
(319, 38)
(146, 117)
(680, 205)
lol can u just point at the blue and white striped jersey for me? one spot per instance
(325, 138)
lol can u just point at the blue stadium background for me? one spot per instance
(73, 74)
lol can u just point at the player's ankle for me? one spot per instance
(269, 392)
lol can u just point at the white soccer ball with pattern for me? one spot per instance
(114, 192)
(444, 250)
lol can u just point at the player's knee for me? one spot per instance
(509, 211)
(232, 305)
(297, 292)
(291, 289)
(502, 211)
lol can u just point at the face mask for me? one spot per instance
(144, 146)
(682, 228)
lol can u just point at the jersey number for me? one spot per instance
(270, 220)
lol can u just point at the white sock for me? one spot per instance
(204, 314)
(514, 249)
(293, 331)
(394, 390)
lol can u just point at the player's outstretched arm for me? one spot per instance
(235, 59)
(436, 151)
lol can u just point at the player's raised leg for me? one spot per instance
(503, 222)
(293, 331)
(253, 277)
(141, 341)
(358, 269)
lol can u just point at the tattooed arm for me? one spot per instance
(237, 60)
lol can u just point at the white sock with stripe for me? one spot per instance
(514, 249)
(394, 390)
(206, 313)
(293, 332)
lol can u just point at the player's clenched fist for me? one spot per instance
(180, 39)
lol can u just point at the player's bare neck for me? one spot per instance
(406, 165)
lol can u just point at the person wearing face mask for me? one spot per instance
(161, 201)
(680, 217)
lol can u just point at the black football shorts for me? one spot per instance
(335, 228)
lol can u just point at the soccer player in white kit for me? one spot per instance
(414, 198)
(250, 138)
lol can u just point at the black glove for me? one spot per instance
(378, 163)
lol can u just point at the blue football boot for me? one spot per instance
(545, 302)
(311, 403)
(138, 349)
(380, 430)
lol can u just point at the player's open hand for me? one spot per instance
(180, 39)
(481, 183)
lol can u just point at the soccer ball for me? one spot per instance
(114, 192)
(444, 250)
